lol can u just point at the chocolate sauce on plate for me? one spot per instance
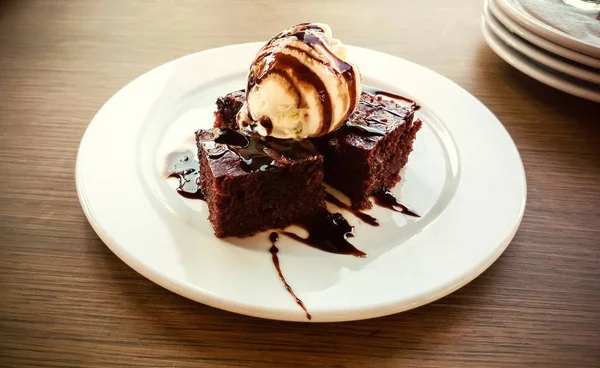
(361, 215)
(385, 198)
(328, 232)
(185, 167)
(273, 237)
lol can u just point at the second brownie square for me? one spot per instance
(366, 155)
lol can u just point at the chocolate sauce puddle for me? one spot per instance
(273, 237)
(185, 167)
(328, 232)
(385, 198)
(361, 215)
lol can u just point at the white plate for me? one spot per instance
(465, 178)
(539, 55)
(540, 41)
(536, 71)
(519, 14)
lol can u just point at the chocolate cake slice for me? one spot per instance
(365, 156)
(253, 183)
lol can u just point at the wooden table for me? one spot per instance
(67, 301)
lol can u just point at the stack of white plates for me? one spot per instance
(541, 51)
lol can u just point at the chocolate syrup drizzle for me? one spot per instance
(305, 75)
(365, 128)
(328, 232)
(378, 92)
(185, 167)
(266, 122)
(385, 198)
(255, 152)
(361, 215)
(273, 237)
(412, 106)
(380, 107)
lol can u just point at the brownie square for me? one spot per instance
(243, 198)
(366, 155)
(227, 109)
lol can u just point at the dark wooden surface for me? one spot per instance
(67, 301)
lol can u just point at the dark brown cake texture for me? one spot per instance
(227, 109)
(252, 184)
(365, 156)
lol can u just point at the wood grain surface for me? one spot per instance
(67, 301)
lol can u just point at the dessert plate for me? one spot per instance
(537, 71)
(465, 178)
(538, 55)
(517, 12)
(540, 41)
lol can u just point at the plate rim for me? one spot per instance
(210, 299)
(546, 31)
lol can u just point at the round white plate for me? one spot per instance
(515, 10)
(538, 55)
(536, 71)
(465, 178)
(540, 41)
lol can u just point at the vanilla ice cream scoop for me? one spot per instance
(300, 85)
